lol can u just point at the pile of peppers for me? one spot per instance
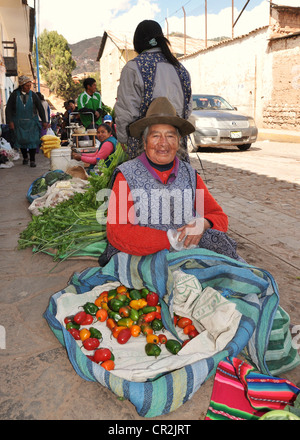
(127, 313)
(91, 337)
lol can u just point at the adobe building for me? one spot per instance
(259, 73)
(117, 49)
(283, 108)
(17, 24)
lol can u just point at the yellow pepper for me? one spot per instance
(152, 339)
(104, 306)
(138, 304)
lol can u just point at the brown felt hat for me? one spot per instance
(161, 111)
(24, 80)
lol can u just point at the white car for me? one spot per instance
(217, 123)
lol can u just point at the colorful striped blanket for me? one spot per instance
(253, 291)
(241, 393)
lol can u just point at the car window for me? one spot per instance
(205, 102)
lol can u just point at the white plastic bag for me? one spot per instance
(50, 132)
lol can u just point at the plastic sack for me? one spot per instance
(60, 175)
(50, 132)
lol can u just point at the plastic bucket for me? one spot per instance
(60, 158)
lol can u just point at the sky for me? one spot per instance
(77, 20)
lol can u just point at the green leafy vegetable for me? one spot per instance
(72, 226)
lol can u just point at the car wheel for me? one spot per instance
(244, 147)
(191, 146)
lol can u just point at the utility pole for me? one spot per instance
(245, 5)
(184, 32)
(232, 32)
(205, 24)
(167, 28)
(37, 50)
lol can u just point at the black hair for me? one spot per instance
(71, 100)
(106, 126)
(149, 31)
(88, 82)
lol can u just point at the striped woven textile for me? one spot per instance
(253, 290)
(241, 393)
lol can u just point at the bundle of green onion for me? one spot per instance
(72, 228)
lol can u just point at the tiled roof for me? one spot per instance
(124, 41)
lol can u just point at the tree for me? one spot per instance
(56, 63)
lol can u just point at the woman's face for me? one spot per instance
(102, 134)
(161, 144)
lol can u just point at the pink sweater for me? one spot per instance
(106, 149)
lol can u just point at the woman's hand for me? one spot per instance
(11, 125)
(76, 156)
(193, 231)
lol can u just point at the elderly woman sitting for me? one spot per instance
(159, 201)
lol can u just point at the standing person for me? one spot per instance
(90, 101)
(47, 112)
(68, 118)
(155, 72)
(22, 115)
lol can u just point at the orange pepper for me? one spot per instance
(111, 323)
(98, 301)
(101, 315)
(108, 365)
(152, 339)
(135, 330)
(121, 289)
(84, 334)
(101, 297)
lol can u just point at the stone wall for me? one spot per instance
(284, 20)
(285, 116)
(258, 75)
(283, 109)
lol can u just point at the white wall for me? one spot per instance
(240, 70)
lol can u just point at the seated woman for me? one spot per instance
(106, 146)
(159, 201)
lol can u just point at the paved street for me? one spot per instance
(272, 159)
(258, 189)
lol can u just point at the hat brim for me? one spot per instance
(184, 126)
(25, 82)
